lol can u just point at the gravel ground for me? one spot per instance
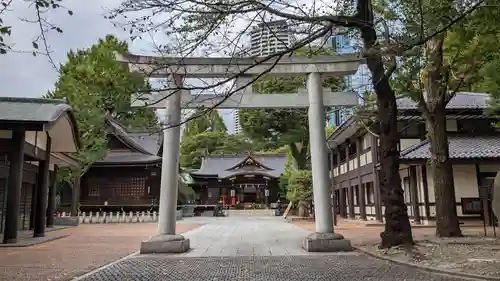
(472, 255)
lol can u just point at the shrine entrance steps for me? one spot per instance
(250, 213)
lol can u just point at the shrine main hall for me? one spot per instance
(248, 179)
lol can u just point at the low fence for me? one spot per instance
(114, 217)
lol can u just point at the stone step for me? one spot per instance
(251, 213)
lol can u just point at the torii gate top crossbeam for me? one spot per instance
(159, 67)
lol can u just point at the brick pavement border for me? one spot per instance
(427, 268)
(23, 243)
(81, 277)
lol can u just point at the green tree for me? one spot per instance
(278, 127)
(193, 148)
(448, 62)
(98, 87)
(329, 130)
(299, 190)
(210, 122)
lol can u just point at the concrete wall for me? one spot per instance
(405, 143)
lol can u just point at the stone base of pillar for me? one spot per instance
(326, 242)
(38, 235)
(165, 244)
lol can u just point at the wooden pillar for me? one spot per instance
(412, 171)
(13, 202)
(425, 188)
(362, 191)
(75, 197)
(51, 207)
(342, 203)
(350, 188)
(376, 179)
(34, 192)
(43, 186)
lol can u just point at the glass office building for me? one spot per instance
(360, 82)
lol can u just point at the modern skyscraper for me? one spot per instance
(236, 122)
(269, 37)
(265, 39)
(360, 82)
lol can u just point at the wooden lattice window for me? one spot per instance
(123, 187)
(131, 187)
(93, 187)
(94, 191)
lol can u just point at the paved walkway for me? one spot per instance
(245, 236)
(87, 247)
(253, 249)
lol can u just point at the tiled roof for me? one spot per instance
(133, 157)
(122, 134)
(220, 165)
(150, 142)
(460, 147)
(32, 109)
(461, 100)
(144, 146)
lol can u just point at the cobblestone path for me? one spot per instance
(254, 249)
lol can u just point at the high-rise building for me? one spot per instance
(236, 122)
(360, 82)
(269, 37)
(265, 39)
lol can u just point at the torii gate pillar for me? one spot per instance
(324, 239)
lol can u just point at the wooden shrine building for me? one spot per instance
(247, 179)
(474, 152)
(128, 177)
(36, 137)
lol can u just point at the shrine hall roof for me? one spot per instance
(143, 147)
(222, 166)
(460, 147)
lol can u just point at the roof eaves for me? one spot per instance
(341, 128)
(250, 156)
(119, 131)
(412, 148)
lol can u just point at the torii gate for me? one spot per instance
(317, 98)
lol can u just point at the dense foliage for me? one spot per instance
(299, 190)
(431, 74)
(208, 122)
(278, 127)
(98, 87)
(193, 148)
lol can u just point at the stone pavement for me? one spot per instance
(245, 236)
(253, 249)
(86, 248)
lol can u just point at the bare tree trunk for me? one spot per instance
(434, 111)
(397, 224)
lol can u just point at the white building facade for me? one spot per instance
(269, 37)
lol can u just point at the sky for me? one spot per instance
(23, 75)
